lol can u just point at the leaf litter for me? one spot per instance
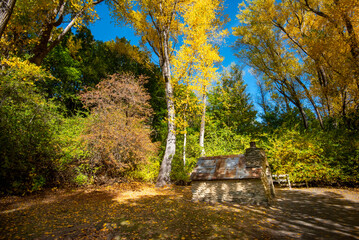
(139, 211)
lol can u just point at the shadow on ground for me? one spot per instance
(312, 214)
(170, 214)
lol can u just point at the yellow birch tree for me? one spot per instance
(196, 59)
(160, 23)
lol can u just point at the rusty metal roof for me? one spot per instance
(224, 167)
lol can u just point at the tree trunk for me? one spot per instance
(309, 96)
(6, 8)
(323, 81)
(293, 98)
(165, 170)
(184, 137)
(184, 149)
(45, 44)
(304, 116)
(203, 122)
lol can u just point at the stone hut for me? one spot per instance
(244, 179)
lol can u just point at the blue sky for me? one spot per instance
(105, 29)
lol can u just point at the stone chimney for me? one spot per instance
(256, 157)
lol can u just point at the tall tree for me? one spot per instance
(229, 103)
(196, 60)
(263, 49)
(311, 44)
(187, 109)
(160, 23)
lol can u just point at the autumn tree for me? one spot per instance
(36, 27)
(306, 52)
(263, 49)
(118, 136)
(187, 110)
(195, 62)
(159, 23)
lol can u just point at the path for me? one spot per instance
(119, 213)
(314, 213)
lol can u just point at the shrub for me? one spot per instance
(117, 135)
(316, 157)
(181, 173)
(28, 127)
(147, 172)
(73, 151)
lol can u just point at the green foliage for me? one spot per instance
(68, 77)
(28, 127)
(229, 104)
(70, 138)
(276, 118)
(147, 172)
(223, 141)
(81, 179)
(72, 150)
(181, 173)
(290, 152)
(341, 150)
(84, 174)
(317, 157)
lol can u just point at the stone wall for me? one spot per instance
(243, 191)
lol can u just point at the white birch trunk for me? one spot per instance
(184, 149)
(185, 136)
(203, 121)
(165, 170)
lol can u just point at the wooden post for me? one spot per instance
(288, 181)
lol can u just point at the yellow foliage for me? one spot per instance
(194, 63)
(32, 19)
(161, 23)
(316, 41)
(25, 69)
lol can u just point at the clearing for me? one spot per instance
(138, 211)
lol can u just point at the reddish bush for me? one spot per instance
(118, 136)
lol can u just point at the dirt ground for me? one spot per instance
(124, 212)
(315, 213)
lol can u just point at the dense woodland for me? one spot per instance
(76, 111)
